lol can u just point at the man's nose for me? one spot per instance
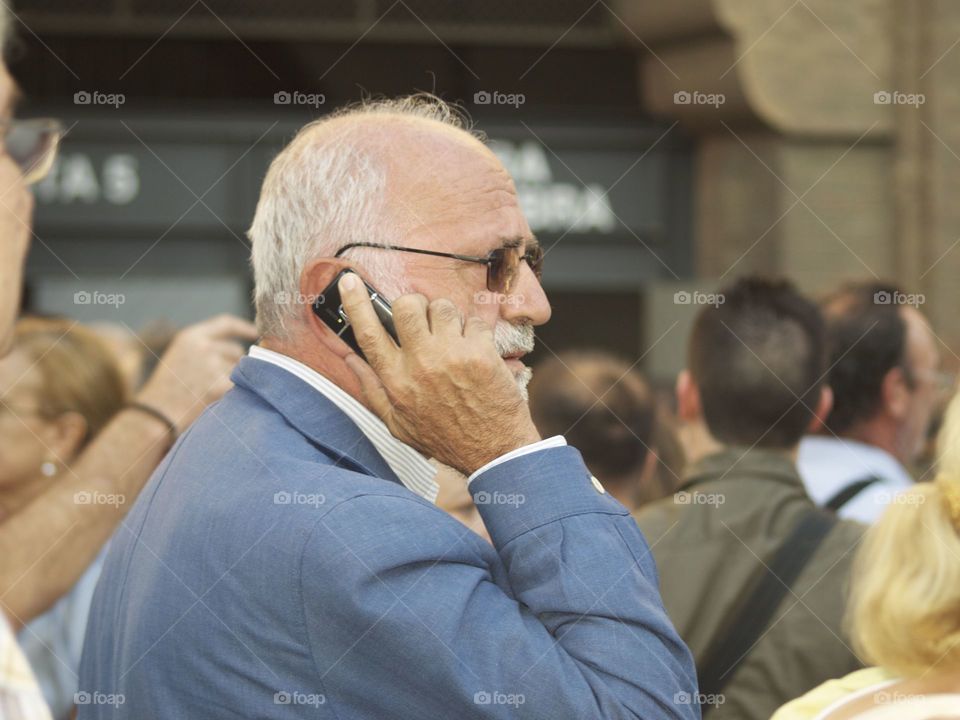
(526, 302)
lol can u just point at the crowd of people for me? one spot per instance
(408, 523)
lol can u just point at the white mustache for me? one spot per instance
(510, 338)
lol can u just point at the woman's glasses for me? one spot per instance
(32, 145)
(503, 263)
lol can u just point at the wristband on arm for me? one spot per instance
(156, 414)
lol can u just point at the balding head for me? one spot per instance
(400, 174)
(368, 173)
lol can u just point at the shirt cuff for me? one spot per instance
(555, 441)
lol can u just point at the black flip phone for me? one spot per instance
(329, 308)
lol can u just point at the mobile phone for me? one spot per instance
(329, 308)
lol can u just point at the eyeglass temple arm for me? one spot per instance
(419, 251)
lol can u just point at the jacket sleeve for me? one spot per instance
(410, 615)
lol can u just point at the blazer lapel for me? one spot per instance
(313, 415)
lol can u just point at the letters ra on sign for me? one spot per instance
(552, 205)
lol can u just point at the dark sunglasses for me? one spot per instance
(32, 145)
(503, 264)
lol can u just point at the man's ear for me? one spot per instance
(822, 410)
(689, 408)
(895, 393)
(314, 280)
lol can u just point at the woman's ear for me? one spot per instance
(689, 408)
(66, 434)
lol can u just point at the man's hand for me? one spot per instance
(445, 391)
(195, 369)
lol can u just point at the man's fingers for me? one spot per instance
(445, 319)
(410, 319)
(371, 386)
(371, 336)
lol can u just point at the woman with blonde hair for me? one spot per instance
(59, 386)
(904, 610)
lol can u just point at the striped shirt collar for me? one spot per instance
(414, 470)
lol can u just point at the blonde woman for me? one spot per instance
(60, 385)
(904, 608)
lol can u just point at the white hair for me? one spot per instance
(326, 190)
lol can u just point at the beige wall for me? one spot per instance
(799, 171)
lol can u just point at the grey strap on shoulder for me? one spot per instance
(761, 597)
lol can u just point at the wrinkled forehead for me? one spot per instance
(448, 191)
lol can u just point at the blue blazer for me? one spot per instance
(275, 567)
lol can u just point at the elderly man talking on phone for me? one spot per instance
(287, 560)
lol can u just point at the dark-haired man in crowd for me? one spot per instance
(607, 410)
(751, 571)
(884, 364)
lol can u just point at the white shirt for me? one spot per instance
(414, 470)
(829, 464)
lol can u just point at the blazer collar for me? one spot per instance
(313, 415)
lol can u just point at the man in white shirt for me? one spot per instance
(884, 373)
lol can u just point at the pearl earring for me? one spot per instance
(49, 468)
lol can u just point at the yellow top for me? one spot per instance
(809, 706)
